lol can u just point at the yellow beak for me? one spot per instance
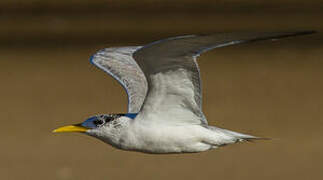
(71, 128)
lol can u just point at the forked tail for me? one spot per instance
(235, 136)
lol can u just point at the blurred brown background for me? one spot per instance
(270, 89)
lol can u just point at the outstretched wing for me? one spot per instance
(172, 73)
(118, 63)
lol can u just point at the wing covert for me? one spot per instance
(118, 63)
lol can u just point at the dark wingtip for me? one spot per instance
(253, 139)
(258, 138)
(288, 34)
(281, 35)
(299, 33)
(304, 32)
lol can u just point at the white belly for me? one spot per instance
(166, 139)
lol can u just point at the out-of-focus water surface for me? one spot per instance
(270, 89)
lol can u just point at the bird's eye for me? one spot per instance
(108, 118)
(98, 122)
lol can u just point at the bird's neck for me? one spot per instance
(116, 131)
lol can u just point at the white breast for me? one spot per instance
(157, 138)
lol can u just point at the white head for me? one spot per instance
(106, 127)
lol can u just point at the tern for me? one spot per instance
(162, 81)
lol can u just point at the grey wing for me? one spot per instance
(118, 63)
(173, 75)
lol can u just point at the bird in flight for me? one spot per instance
(163, 85)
